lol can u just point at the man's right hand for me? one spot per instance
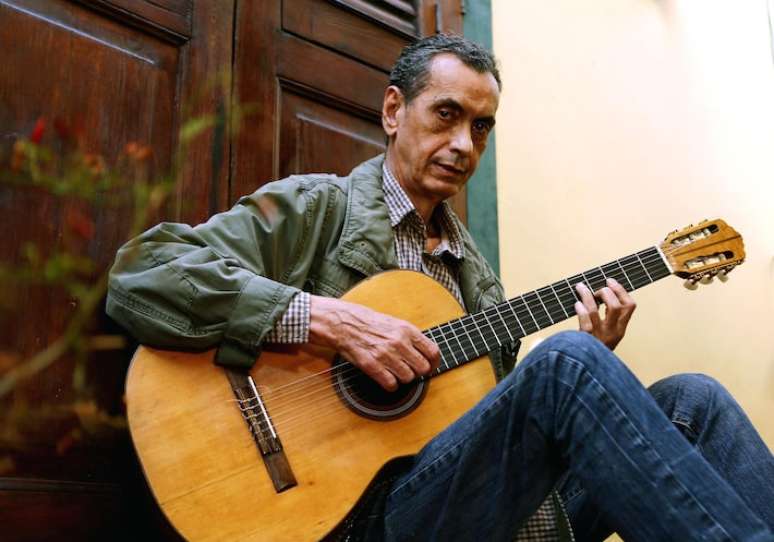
(386, 348)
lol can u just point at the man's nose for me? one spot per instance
(462, 142)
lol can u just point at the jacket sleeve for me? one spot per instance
(227, 280)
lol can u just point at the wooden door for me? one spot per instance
(115, 72)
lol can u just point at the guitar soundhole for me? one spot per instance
(367, 398)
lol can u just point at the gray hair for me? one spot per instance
(412, 69)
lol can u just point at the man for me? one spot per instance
(570, 414)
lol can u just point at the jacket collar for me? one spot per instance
(366, 243)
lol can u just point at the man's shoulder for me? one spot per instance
(316, 183)
(307, 183)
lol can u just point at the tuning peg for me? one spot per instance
(723, 275)
(691, 284)
(706, 279)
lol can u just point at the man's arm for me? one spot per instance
(231, 278)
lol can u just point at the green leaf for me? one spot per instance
(196, 126)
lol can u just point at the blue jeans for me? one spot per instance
(573, 407)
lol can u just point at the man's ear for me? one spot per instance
(392, 109)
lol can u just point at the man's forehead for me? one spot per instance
(451, 79)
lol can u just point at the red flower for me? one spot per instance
(137, 151)
(94, 162)
(79, 223)
(37, 131)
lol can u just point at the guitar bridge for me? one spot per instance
(262, 428)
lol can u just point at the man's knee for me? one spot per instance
(691, 400)
(579, 346)
(695, 387)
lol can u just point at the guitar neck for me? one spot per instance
(474, 335)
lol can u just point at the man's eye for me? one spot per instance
(444, 113)
(480, 127)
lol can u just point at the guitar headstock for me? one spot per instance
(708, 249)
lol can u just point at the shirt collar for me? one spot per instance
(399, 206)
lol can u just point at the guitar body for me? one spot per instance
(203, 464)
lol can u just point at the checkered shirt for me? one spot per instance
(410, 234)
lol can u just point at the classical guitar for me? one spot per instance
(285, 451)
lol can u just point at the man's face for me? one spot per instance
(438, 138)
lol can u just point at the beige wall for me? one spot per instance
(620, 121)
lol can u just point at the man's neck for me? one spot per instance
(424, 206)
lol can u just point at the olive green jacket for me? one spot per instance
(227, 281)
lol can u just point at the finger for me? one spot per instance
(400, 369)
(380, 374)
(429, 352)
(584, 321)
(620, 292)
(612, 304)
(587, 299)
(403, 344)
(627, 301)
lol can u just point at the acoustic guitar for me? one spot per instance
(284, 451)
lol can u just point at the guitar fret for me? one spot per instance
(604, 277)
(526, 304)
(510, 306)
(559, 300)
(464, 328)
(631, 286)
(475, 324)
(643, 267)
(444, 359)
(544, 307)
(457, 338)
(494, 331)
(505, 324)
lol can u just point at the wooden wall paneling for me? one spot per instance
(317, 137)
(120, 85)
(258, 26)
(173, 17)
(343, 31)
(206, 89)
(124, 71)
(399, 15)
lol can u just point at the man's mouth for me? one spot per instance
(451, 169)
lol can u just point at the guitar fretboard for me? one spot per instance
(474, 335)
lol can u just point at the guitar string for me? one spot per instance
(468, 324)
(279, 410)
(454, 354)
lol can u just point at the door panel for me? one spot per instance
(314, 136)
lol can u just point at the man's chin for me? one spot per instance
(445, 188)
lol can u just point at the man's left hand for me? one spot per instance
(619, 308)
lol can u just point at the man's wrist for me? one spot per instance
(293, 327)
